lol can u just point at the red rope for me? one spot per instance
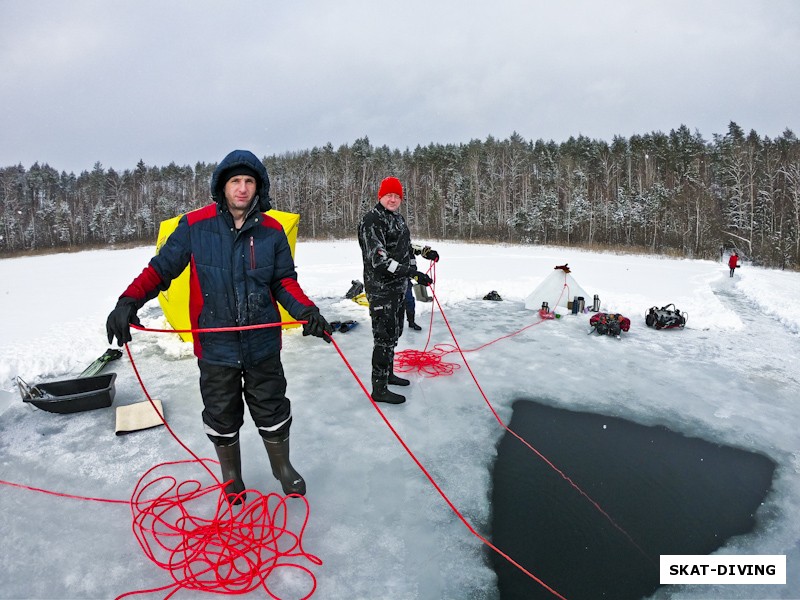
(430, 362)
(413, 457)
(425, 362)
(191, 530)
(219, 329)
(435, 485)
(410, 360)
(233, 551)
(408, 451)
(59, 494)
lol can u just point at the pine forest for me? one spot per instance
(675, 193)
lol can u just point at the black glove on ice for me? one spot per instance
(429, 253)
(316, 325)
(118, 322)
(421, 278)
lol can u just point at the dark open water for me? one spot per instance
(670, 493)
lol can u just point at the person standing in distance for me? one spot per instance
(411, 308)
(389, 262)
(733, 262)
(241, 267)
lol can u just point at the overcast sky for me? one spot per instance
(185, 81)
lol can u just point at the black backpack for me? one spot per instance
(665, 317)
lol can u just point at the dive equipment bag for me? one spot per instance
(609, 323)
(665, 317)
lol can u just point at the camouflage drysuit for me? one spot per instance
(388, 262)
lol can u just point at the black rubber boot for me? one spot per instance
(278, 452)
(230, 461)
(395, 380)
(410, 317)
(380, 393)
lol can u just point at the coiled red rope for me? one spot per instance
(189, 529)
(431, 362)
(208, 545)
(203, 542)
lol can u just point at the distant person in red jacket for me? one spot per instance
(733, 262)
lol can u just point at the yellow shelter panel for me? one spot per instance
(175, 300)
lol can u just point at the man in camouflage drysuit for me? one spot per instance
(388, 264)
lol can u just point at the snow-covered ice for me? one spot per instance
(378, 525)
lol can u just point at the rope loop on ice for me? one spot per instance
(191, 530)
(209, 545)
(430, 363)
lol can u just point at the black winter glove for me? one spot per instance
(119, 320)
(316, 325)
(429, 253)
(421, 278)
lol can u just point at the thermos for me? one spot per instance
(596, 303)
(575, 305)
(545, 307)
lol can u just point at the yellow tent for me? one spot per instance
(175, 300)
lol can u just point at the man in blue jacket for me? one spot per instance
(241, 267)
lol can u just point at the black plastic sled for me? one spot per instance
(88, 391)
(70, 395)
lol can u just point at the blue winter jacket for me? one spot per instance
(236, 277)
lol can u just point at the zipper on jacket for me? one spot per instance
(252, 253)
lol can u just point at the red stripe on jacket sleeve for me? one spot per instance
(146, 283)
(195, 306)
(291, 286)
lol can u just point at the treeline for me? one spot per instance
(671, 193)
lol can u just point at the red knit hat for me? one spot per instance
(390, 185)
